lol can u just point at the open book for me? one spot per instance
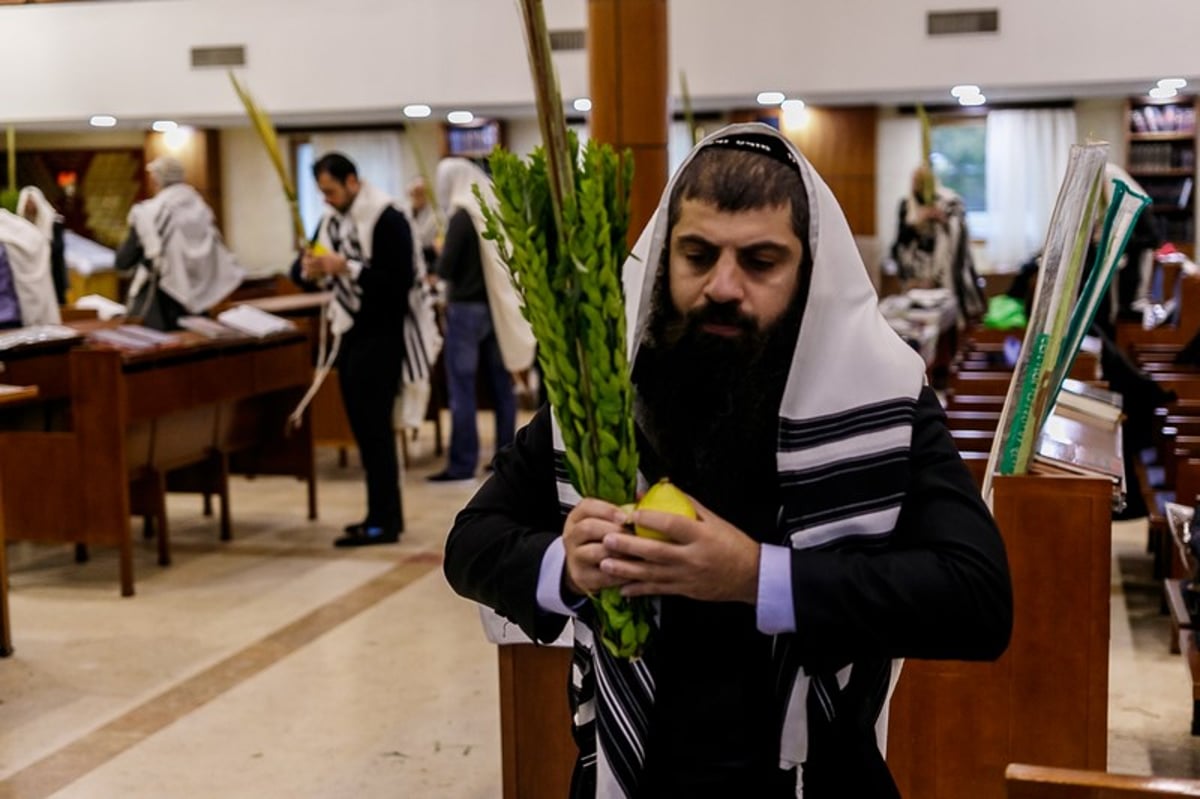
(253, 321)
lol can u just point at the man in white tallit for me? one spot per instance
(368, 259)
(33, 205)
(933, 248)
(485, 331)
(182, 266)
(26, 252)
(838, 529)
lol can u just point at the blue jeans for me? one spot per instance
(470, 347)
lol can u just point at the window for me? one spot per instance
(958, 148)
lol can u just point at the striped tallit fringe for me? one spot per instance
(346, 292)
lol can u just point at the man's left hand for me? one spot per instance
(707, 558)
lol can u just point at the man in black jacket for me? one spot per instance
(838, 529)
(366, 258)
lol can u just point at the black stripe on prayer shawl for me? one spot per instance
(798, 434)
(840, 511)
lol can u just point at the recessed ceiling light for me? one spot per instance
(164, 125)
(792, 105)
(583, 104)
(103, 121)
(460, 117)
(1172, 83)
(1163, 93)
(965, 90)
(972, 99)
(771, 98)
(417, 111)
(177, 138)
(795, 113)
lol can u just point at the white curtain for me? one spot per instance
(376, 155)
(1027, 154)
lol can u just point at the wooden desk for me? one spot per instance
(138, 416)
(9, 396)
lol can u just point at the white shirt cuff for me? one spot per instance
(550, 574)
(775, 611)
(354, 268)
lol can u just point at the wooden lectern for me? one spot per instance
(955, 726)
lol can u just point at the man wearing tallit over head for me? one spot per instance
(838, 529)
(25, 274)
(485, 331)
(182, 264)
(33, 205)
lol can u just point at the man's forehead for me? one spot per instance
(704, 220)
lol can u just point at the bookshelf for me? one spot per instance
(1161, 139)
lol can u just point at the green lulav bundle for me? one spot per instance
(570, 280)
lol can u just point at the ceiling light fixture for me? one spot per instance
(103, 121)
(460, 117)
(1172, 83)
(582, 104)
(417, 111)
(1163, 93)
(771, 98)
(965, 90)
(164, 125)
(972, 99)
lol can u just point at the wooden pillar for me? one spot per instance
(627, 60)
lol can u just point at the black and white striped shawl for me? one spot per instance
(845, 429)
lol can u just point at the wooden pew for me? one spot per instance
(135, 417)
(10, 396)
(1131, 334)
(1044, 782)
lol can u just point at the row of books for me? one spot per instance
(1176, 193)
(1151, 156)
(237, 322)
(1164, 119)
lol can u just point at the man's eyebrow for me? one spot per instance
(694, 239)
(766, 248)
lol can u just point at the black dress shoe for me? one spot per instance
(368, 536)
(352, 528)
(447, 477)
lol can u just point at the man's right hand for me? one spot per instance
(583, 540)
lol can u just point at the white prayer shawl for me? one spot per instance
(850, 398)
(422, 340)
(455, 178)
(46, 214)
(180, 239)
(29, 257)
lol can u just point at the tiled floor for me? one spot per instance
(276, 665)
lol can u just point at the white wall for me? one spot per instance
(1103, 120)
(131, 58)
(850, 46)
(258, 226)
(897, 151)
(330, 57)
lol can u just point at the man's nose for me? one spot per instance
(725, 281)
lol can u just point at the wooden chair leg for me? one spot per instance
(437, 434)
(343, 460)
(164, 544)
(223, 488)
(207, 505)
(148, 526)
(81, 553)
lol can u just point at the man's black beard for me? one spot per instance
(709, 405)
